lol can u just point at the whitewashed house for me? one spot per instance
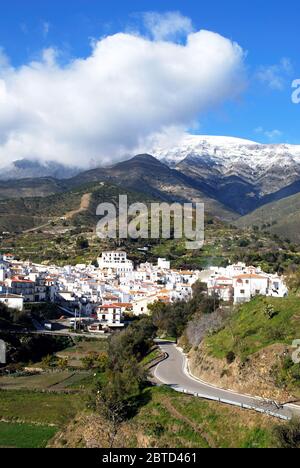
(247, 286)
(240, 283)
(115, 263)
(163, 264)
(12, 301)
(221, 286)
(110, 315)
(140, 306)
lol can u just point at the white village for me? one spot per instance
(102, 296)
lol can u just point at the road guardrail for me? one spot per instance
(233, 403)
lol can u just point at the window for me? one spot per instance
(242, 291)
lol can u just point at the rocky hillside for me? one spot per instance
(252, 352)
(243, 174)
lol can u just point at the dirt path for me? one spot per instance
(37, 228)
(196, 427)
(84, 206)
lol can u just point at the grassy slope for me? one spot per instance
(39, 408)
(249, 329)
(31, 419)
(192, 422)
(25, 213)
(31, 187)
(283, 216)
(167, 419)
(25, 435)
(224, 243)
(64, 380)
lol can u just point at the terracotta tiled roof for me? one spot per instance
(248, 276)
(21, 280)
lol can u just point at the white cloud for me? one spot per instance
(46, 28)
(106, 105)
(272, 135)
(167, 26)
(276, 76)
(4, 60)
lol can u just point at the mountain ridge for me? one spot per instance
(242, 174)
(232, 176)
(29, 169)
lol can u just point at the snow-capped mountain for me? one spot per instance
(201, 145)
(233, 156)
(241, 173)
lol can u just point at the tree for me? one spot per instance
(82, 243)
(172, 319)
(116, 399)
(230, 357)
(47, 361)
(97, 361)
(288, 435)
(62, 363)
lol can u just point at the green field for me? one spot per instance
(39, 408)
(25, 435)
(54, 381)
(164, 419)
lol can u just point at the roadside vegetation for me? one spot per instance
(256, 325)
(163, 418)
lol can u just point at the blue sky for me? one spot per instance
(267, 31)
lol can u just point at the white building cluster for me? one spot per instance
(240, 283)
(103, 295)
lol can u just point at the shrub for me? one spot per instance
(230, 357)
(288, 435)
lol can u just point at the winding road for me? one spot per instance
(173, 371)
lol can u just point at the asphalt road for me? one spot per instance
(173, 372)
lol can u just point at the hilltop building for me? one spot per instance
(240, 283)
(115, 263)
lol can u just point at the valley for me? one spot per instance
(50, 221)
